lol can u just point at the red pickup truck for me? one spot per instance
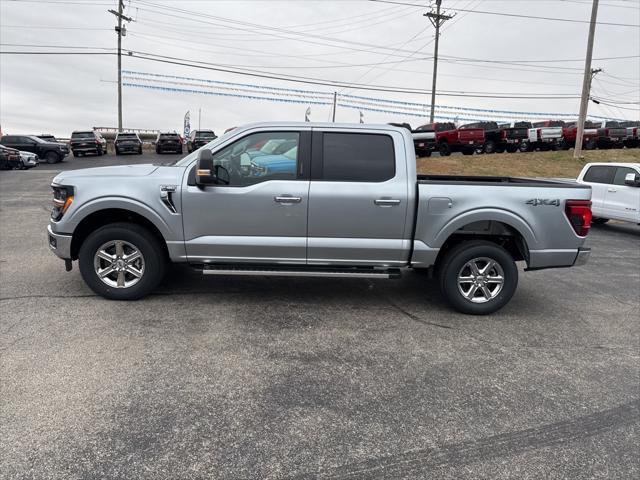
(570, 132)
(449, 138)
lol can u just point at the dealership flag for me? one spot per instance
(187, 124)
(306, 114)
(361, 117)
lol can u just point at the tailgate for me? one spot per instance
(516, 132)
(471, 135)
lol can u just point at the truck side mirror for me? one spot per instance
(207, 173)
(632, 179)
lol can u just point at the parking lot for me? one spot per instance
(232, 377)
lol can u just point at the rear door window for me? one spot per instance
(357, 157)
(600, 174)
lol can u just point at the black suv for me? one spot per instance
(87, 141)
(168, 142)
(50, 138)
(49, 151)
(199, 138)
(128, 142)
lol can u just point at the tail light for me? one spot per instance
(606, 132)
(539, 132)
(579, 214)
(503, 134)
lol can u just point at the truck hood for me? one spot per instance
(102, 172)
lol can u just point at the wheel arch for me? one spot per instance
(496, 226)
(106, 216)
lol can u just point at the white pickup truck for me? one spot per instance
(615, 191)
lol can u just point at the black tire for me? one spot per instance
(512, 149)
(590, 144)
(444, 149)
(140, 151)
(52, 157)
(468, 151)
(489, 147)
(117, 152)
(454, 263)
(158, 151)
(525, 147)
(148, 245)
(599, 221)
(99, 151)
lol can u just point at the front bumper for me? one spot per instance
(59, 244)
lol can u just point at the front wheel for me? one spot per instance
(444, 149)
(478, 277)
(489, 147)
(122, 261)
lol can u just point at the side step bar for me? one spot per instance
(301, 272)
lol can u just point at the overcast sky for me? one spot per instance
(353, 41)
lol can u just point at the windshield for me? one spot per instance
(49, 138)
(82, 135)
(169, 136)
(127, 136)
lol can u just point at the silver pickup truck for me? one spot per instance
(305, 199)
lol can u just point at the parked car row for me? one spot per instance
(492, 137)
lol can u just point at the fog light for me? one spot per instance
(53, 242)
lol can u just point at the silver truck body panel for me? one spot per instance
(395, 223)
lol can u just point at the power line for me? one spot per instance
(514, 15)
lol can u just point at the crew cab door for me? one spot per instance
(261, 215)
(623, 201)
(358, 199)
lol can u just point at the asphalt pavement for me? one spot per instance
(234, 378)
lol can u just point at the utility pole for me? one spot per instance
(436, 19)
(121, 31)
(335, 98)
(586, 82)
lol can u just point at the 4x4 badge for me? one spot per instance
(544, 201)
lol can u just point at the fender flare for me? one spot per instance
(487, 214)
(121, 203)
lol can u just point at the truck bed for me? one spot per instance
(488, 180)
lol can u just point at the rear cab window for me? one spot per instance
(600, 174)
(82, 135)
(356, 157)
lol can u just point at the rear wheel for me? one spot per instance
(122, 261)
(444, 149)
(590, 144)
(512, 149)
(468, 151)
(478, 277)
(489, 147)
(140, 151)
(52, 157)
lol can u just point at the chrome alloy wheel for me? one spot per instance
(118, 264)
(480, 280)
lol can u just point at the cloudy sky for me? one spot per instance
(377, 44)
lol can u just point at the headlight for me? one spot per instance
(62, 199)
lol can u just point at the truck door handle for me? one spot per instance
(612, 190)
(386, 202)
(286, 199)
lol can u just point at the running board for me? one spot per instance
(302, 272)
